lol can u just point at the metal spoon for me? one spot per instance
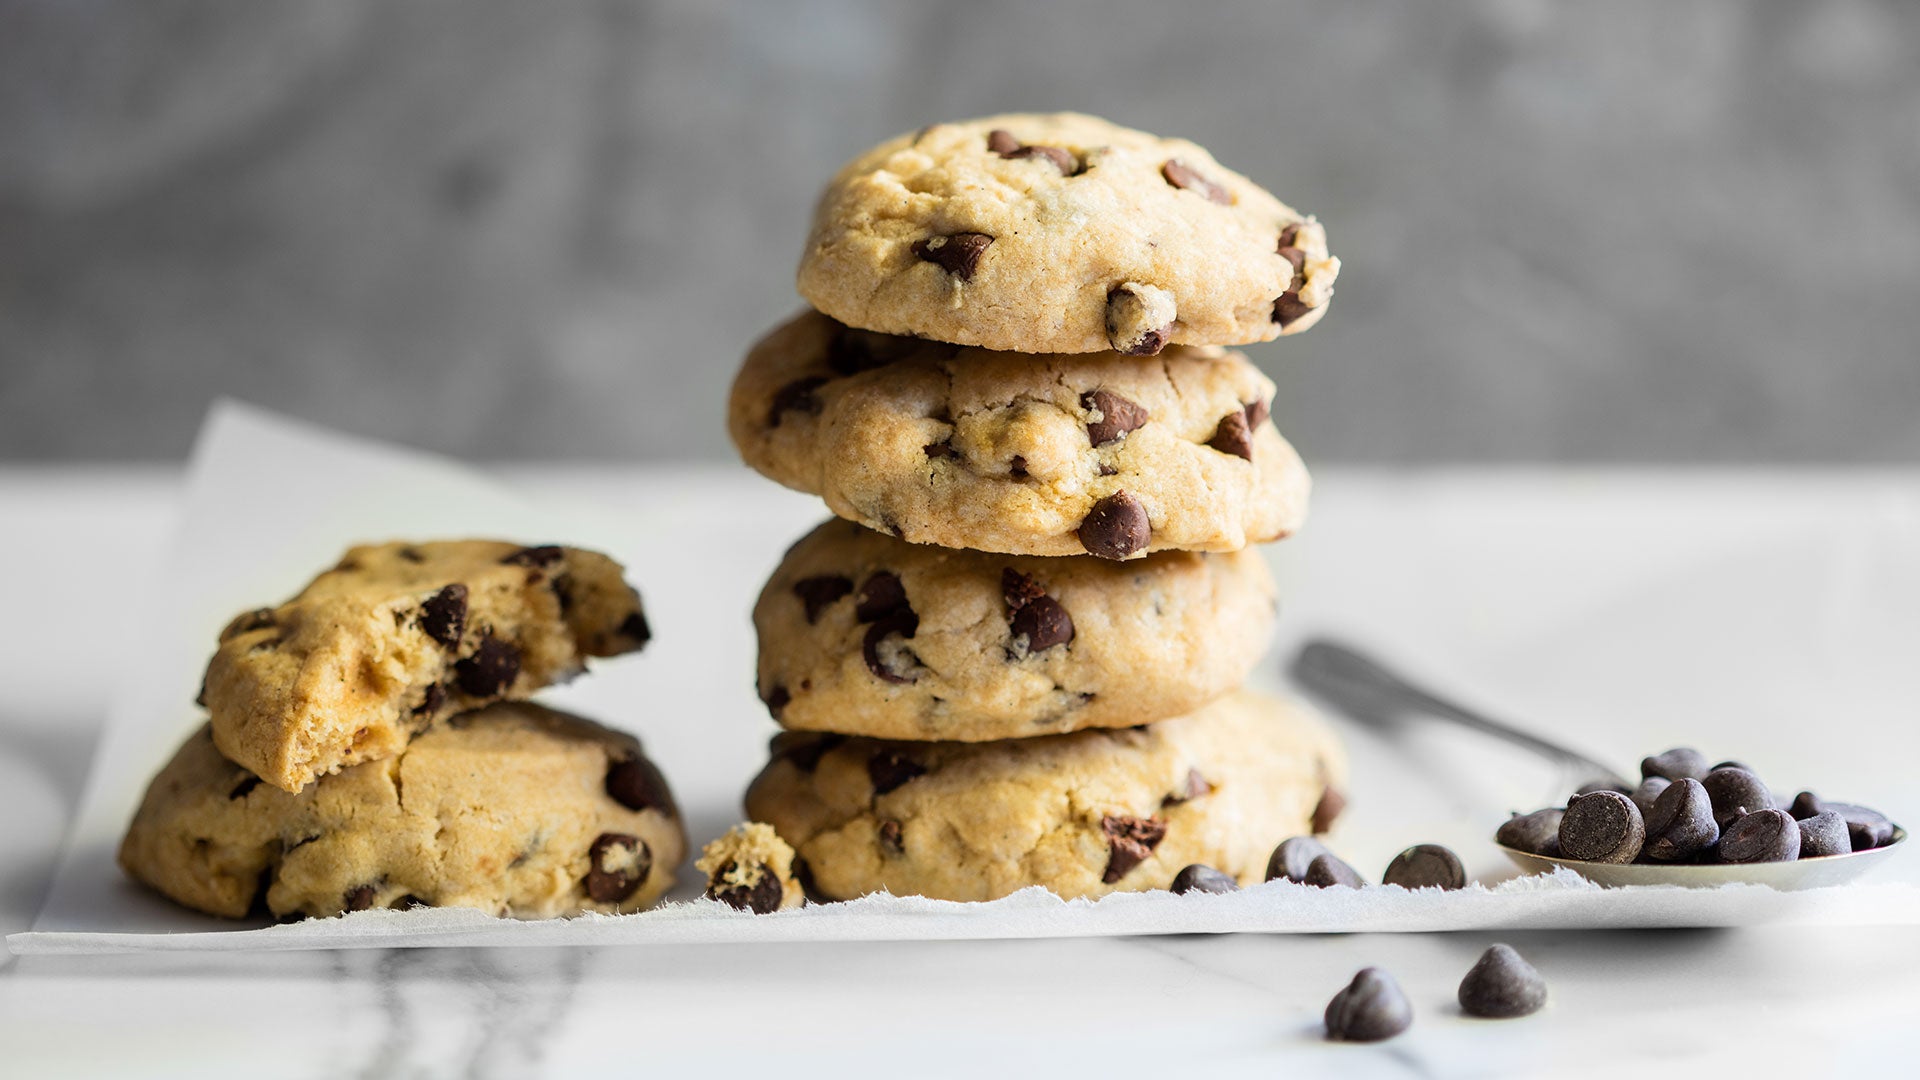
(1366, 690)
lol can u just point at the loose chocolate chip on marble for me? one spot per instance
(1602, 827)
(1372, 1008)
(762, 897)
(816, 593)
(1118, 415)
(1043, 623)
(358, 898)
(249, 782)
(1681, 823)
(1645, 795)
(1257, 411)
(796, 396)
(1592, 786)
(1735, 793)
(543, 555)
(1537, 833)
(1129, 841)
(805, 752)
(892, 837)
(1183, 176)
(1291, 859)
(881, 595)
(1678, 763)
(1328, 810)
(1204, 879)
(443, 616)
(1233, 436)
(1426, 866)
(490, 670)
(1288, 309)
(1326, 871)
(636, 784)
(958, 254)
(617, 864)
(1501, 985)
(888, 769)
(1116, 527)
(1763, 836)
(635, 626)
(1824, 834)
(903, 623)
(430, 701)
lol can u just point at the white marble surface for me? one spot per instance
(1784, 999)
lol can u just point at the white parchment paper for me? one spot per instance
(1786, 634)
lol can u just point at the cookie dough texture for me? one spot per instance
(864, 634)
(398, 636)
(514, 809)
(1006, 452)
(1061, 233)
(1082, 814)
(751, 868)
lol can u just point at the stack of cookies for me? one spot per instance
(1016, 660)
(368, 745)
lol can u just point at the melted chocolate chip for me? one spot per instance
(1129, 841)
(617, 864)
(903, 623)
(1233, 436)
(636, 784)
(1002, 142)
(1182, 176)
(816, 593)
(1017, 468)
(777, 699)
(1328, 809)
(1256, 412)
(430, 701)
(635, 626)
(443, 616)
(358, 898)
(1288, 309)
(1118, 416)
(892, 837)
(544, 555)
(1290, 236)
(805, 754)
(1019, 589)
(1116, 527)
(852, 351)
(762, 897)
(246, 784)
(490, 670)
(1105, 469)
(1044, 623)
(888, 769)
(881, 594)
(1299, 260)
(796, 396)
(942, 449)
(562, 586)
(958, 254)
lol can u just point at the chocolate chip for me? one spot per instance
(1116, 527)
(1681, 823)
(1288, 309)
(1197, 786)
(1679, 763)
(562, 586)
(1763, 836)
(1017, 468)
(1290, 236)
(1731, 765)
(1299, 260)
(882, 594)
(776, 699)
(1502, 986)
(958, 254)
(1537, 833)
(852, 351)
(1043, 623)
(1256, 412)
(1105, 469)
(249, 782)
(1002, 142)
(891, 837)
(888, 769)
(1592, 786)
(1139, 319)
(635, 626)
(1371, 1008)
(1648, 792)
(1426, 866)
(1824, 834)
(490, 670)
(1326, 871)
(1118, 416)
(903, 623)
(1182, 176)
(1129, 841)
(1291, 859)
(1806, 805)
(431, 700)
(1233, 436)
(1735, 793)
(1204, 879)
(408, 902)
(443, 616)
(805, 752)
(816, 593)
(1602, 827)
(1868, 828)
(763, 897)
(1328, 809)
(796, 396)
(636, 784)
(358, 898)
(544, 555)
(942, 449)
(1059, 158)
(617, 864)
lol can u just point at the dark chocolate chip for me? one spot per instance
(1537, 833)
(1371, 1008)
(942, 449)
(1426, 866)
(1592, 786)
(617, 864)
(1017, 468)
(635, 626)
(358, 898)
(1105, 469)
(249, 782)
(1328, 809)
(958, 254)
(1002, 142)
(412, 554)
(1060, 159)
(853, 351)
(1116, 527)
(881, 595)
(1681, 824)
(776, 699)
(431, 700)
(543, 555)
(1290, 236)
(1256, 412)
(1731, 765)
(892, 837)
(1182, 176)
(1129, 841)
(490, 670)
(1233, 436)
(562, 586)
(1677, 763)
(1196, 787)
(1019, 589)
(1326, 871)
(796, 396)
(1824, 834)
(805, 751)
(1291, 859)
(1118, 415)
(1043, 623)
(1602, 827)
(1763, 836)
(816, 593)
(636, 784)
(1735, 793)
(1288, 309)
(1205, 879)
(888, 769)
(1867, 827)
(1502, 986)
(1806, 805)
(1648, 793)
(1125, 309)
(443, 616)
(763, 897)
(903, 623)
(1299, 260)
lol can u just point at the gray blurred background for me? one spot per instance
(1587, 232)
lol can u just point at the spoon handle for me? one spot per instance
(1360, 686)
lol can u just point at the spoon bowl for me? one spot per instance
(1815, 873)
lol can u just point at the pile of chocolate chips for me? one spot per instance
(1686, 811)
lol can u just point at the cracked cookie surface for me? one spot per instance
(1029, 455)
(1061, 233)
(864, 634)
(1082, 814)
(513, 809)
(400, 635)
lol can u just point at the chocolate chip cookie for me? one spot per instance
(1061, 233)
(514, 809)
(752, 869)
(864, 634)
(1030, 455)
(400, 635)
(1082, 814)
